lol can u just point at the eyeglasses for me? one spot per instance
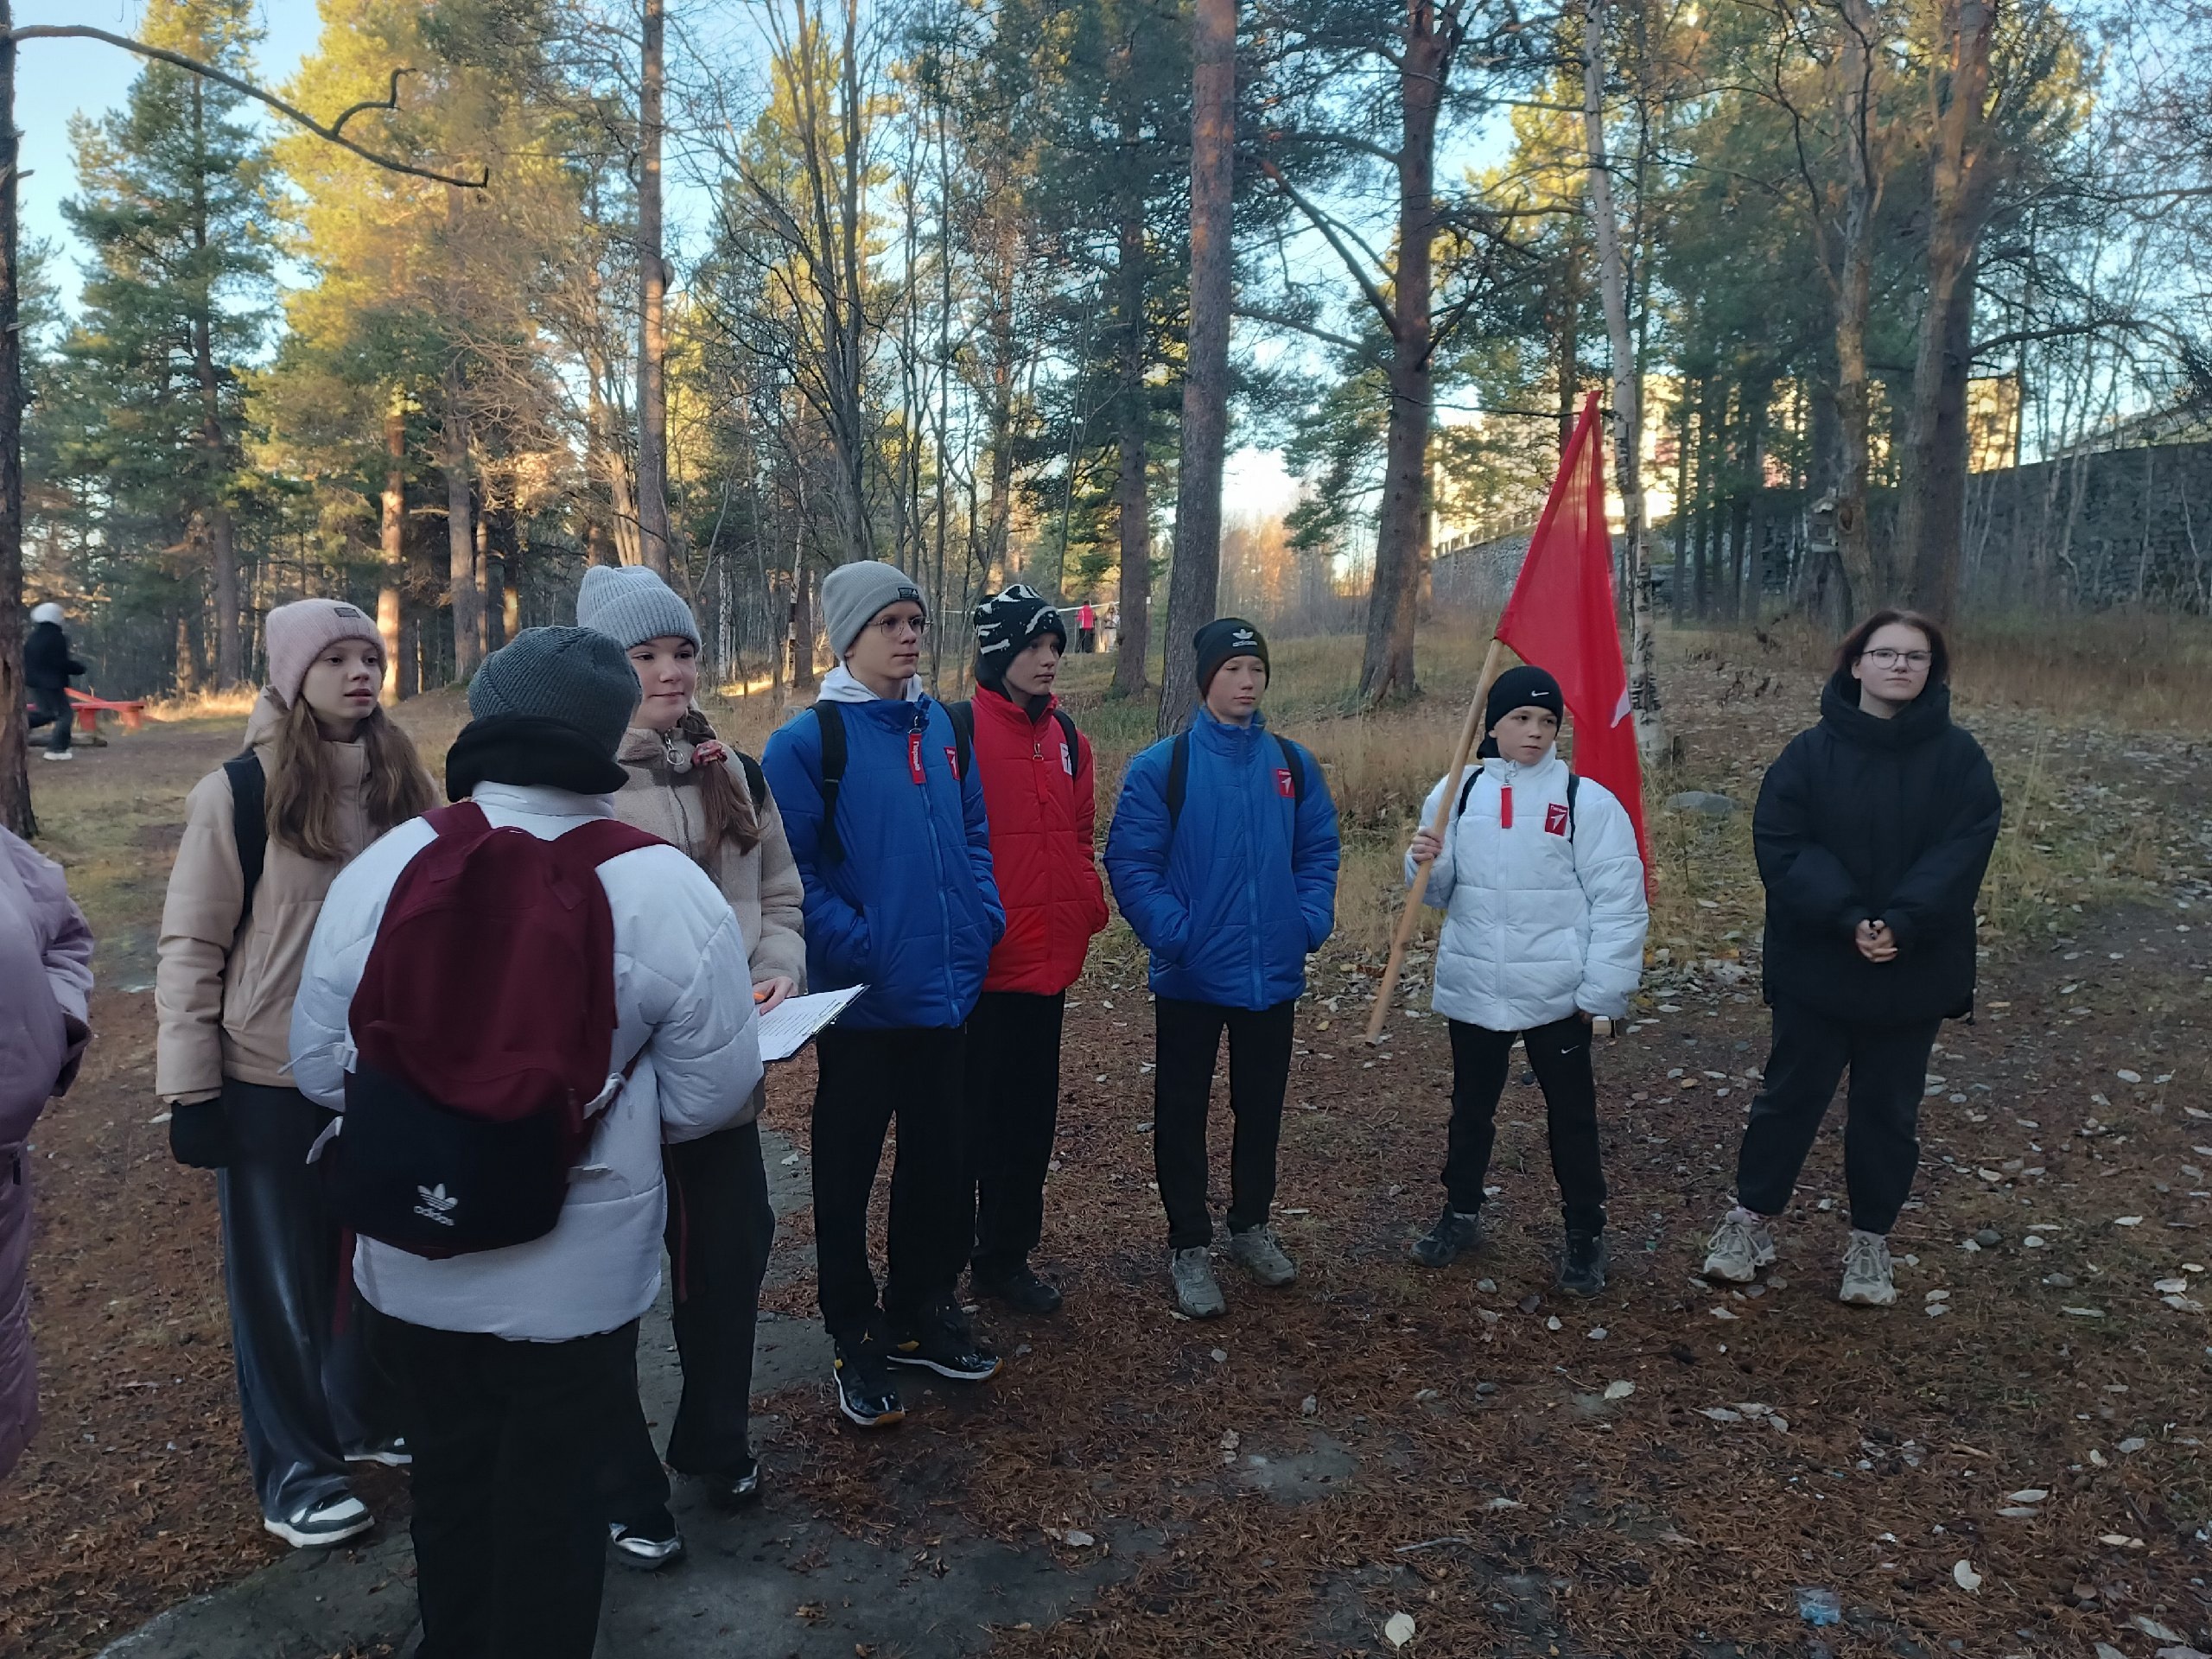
(891, 627)
(1884, 657)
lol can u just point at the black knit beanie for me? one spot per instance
(1525, 687)
(1221, 638)
(1007, 624)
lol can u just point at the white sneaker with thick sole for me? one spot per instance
(60, 754)
(330, 1523)
(395, 1456)
(1737, 1250)
(1198, 1292)
(1260, 1253)
(1867, 1274)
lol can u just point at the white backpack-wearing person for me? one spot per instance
(1542, 890)
(513, 1360)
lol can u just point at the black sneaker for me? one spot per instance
(942, 1341)
(1021, 1290)
(1582, 1269)
(735, 1490)
(864, 1391)
(1457, 1233)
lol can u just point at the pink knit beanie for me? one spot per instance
(299, 632)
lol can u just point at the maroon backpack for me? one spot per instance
(484, 1022)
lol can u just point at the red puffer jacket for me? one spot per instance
(1042, 813)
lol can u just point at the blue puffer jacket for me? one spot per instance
(1230, 903)
(910, 909)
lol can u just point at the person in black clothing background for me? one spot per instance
(1873, 832)
(47, 667)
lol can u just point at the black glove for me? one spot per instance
(200, 1135)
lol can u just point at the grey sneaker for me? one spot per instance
(1261, 1254)
(1197, 1292)
(1866, 1272)
(1737, 1249)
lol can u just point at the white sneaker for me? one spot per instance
(394, 1456)
(1737, 1249)
(60, 754)
(1198, 1292)
(1867, 1281)
(330, 1523)
(1260, 1253)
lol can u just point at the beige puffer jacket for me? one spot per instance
(224, 997)
(763, 885)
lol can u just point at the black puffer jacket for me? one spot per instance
(1868, 819)
(47, 662)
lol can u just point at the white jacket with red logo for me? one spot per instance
(1542, 916)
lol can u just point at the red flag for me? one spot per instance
(1561, 618)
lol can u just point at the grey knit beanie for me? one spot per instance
(852, 594)
(630, 604)
(576, 675)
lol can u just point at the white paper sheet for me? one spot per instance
(792, 1025)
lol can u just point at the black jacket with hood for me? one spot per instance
(47, 662)
(1862, 819)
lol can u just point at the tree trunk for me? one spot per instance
(1644, 705)
(222, 552)
(460, 534)
(1867, 570)
(1133, 637)
(392, 544)
(803, 629)
(1196, 578)
(1931, 501)
(15, 745)
(655, 544)
(1401, 524)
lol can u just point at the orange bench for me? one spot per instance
(88, 709)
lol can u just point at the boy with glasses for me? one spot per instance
(891, 845)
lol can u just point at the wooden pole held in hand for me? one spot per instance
(1470, 731)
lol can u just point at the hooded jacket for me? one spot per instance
(683, 1010)
(1232, 898)
(1544, 915)
(48, 665)
(224, 983)
(1041, 802)
(762, 886)
(912, 910)
(1863, 819)
(46, 973)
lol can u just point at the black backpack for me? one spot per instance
(829, 847)
(1467, 790)
(249, 821)
(1178, 774)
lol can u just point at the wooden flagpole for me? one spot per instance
(1409, 918)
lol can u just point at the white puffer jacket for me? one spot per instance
(683, 995)
(1538, 923)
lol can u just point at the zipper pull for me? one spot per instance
(1505, 806)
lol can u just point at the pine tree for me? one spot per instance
(170, 205)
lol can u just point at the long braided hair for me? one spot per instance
(726, 802)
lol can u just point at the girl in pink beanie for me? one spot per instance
(324, 773)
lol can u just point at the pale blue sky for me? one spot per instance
(55, 80)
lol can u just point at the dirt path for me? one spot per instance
(1456, 1448)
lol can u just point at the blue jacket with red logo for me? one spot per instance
(910, 909)
(1232, 896)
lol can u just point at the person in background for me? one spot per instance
(894, 849)
(1872, 830)
(512, 1366)
(1223, 858)
(1542, 887)
(325, 773)
(1087, 629)
(47, 669)
(684, 784)
(45, 974)
(1039, 794)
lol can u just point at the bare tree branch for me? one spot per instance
(207, 70)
